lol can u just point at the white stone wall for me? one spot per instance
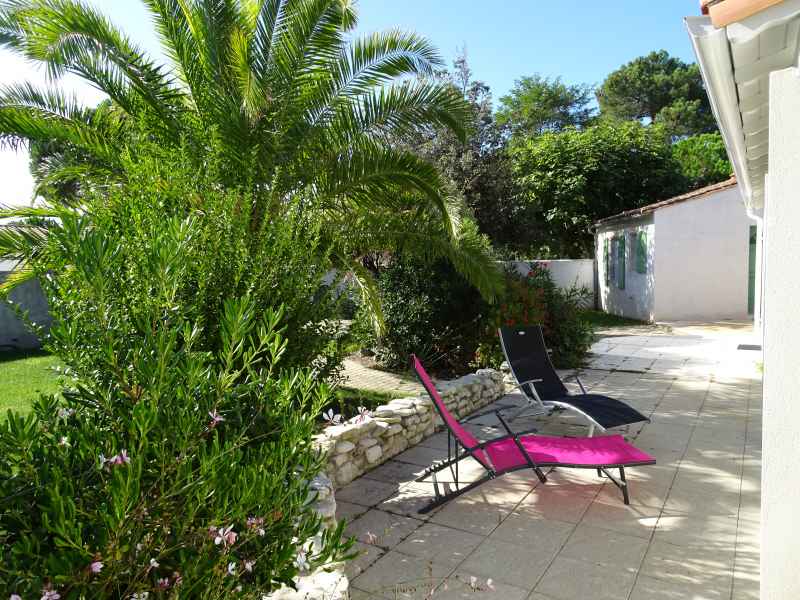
(357, 446)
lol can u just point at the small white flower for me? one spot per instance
(96, 567)
(490, 584)
(64, 442)
(332, 418)
(66, 413)
(301, 561)
(154, 564)
(231, 568)
(248, 565)
(15, 597)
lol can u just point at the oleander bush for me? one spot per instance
(433, 312)
(170, 466)
(534, 299)
(429, 310)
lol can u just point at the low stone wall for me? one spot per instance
(329, 583)
(363, 443)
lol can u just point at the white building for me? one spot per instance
(690, 258)
(749, 54)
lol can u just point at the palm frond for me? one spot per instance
(70, 36)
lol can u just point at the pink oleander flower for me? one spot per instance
(96, 567)
(301, 561)
(49, 593)
(177, 579)
(363, 414)
(163, 583)
(216, 418)
(255, 523)
(15, 597)
(225, 536)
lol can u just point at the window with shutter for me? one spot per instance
(621, 263)
(641, 252)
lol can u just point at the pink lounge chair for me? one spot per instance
(523, 450)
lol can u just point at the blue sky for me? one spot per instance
(579, 40)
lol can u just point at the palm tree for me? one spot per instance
(288, 102)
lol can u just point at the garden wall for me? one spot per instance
(566, 273)
(362, 444)
(29, 297)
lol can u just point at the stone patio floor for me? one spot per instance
(691, 531)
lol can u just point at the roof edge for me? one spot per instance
(693, 195)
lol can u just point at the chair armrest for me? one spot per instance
(523, 383)
(578, 380)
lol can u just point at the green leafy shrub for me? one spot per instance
(430, 310)
(172, 467)
(534, 299)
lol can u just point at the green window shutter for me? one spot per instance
(606, 261)
(641, 252)
(621, 263)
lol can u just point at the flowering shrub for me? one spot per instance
(167, 469)
(534, 299)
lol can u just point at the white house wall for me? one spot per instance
(637, 300)
(701, 259)
(780, 476)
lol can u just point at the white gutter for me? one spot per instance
(714, 59)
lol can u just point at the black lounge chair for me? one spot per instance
(536, 378)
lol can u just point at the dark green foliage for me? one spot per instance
(433, 313)
(659, 88)
(539, 104)
(478, 170)
(430, 310)
(162, 438)
(703, 159)
(571, 179)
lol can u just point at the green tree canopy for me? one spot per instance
(569, 180)
(703, 159)
(660, 88)
(539, 104)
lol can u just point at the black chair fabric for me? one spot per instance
(527, 356)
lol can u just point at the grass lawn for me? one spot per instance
(23, 376)
(599, 318)
(348, 400)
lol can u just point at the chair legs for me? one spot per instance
(621, 483)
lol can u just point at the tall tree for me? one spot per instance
(569, 180)
(703, 159)
(658, 87)
(278, 94)
(478, 168)
(539, 104)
